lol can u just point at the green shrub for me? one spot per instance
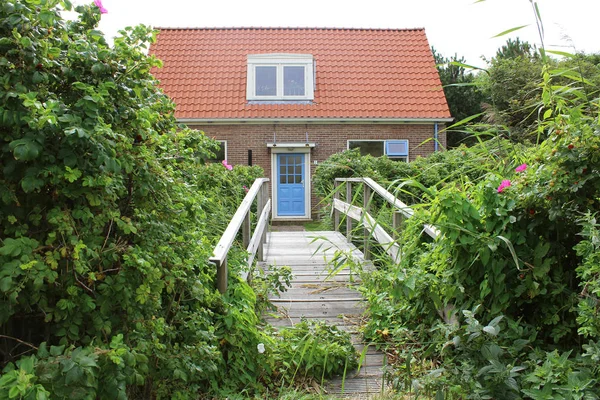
(108, 215)
(317, 350)
(524, 254)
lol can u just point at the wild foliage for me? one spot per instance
(107, 215)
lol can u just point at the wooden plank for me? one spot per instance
(390, 198)
(382, 237)
(349, 220)
(261, 226)
(321, 299)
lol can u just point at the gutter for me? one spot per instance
(255, 121)
(435, 137)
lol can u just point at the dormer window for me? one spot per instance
(280, 77)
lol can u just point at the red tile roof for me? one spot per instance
(360, 73)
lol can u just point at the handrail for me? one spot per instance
(362, 214)
(241, 218)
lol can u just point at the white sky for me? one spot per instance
(452, 26)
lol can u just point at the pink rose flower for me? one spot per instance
(98, 4)
(229, 167)
(521, 168)
(503, 185)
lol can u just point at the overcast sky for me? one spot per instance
(464, 27)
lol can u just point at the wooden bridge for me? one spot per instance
(316, 293)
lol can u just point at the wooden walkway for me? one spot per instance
(314, 296)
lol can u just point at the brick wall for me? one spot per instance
(329, 139)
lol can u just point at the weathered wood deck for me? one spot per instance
(314, 296)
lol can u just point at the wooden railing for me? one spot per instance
(370, 224)
(241, 218)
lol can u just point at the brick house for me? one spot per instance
(288, 98)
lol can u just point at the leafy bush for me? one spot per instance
(435, 170)
(108, 215)
(315, 349)
(518, 249)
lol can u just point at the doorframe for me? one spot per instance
(307, 178)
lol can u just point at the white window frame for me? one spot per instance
(280, 61)
(383, 143)
(223, 143)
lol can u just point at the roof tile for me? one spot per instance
(360, 73)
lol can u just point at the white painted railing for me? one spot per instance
(371, 226)
(241, 218)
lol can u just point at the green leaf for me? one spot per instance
(87, 362)
(47, 17)
(72, 174)
(11, 247)
(506, 32)
(73, 375)
(466, 66)
(31, 183)
(6, 284)
(561, 53)
(465, 120)
(14, 392)
(56, 351)
(27, 364)
(98, 68)
(25, 41)
(25, 149)
(492, 330)
(512, 250)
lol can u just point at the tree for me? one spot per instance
(515, 49)
(514, 82)
(463, 97)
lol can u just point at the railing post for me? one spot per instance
(336, 213)
(246, 230)
(260, 205)
(222, 276)
(348, 219)
(396, 223)
(366, 207)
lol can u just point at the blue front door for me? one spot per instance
(290, 184)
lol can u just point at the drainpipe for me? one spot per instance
(435, 137)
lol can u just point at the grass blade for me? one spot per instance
(506, 32)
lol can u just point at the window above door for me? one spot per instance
(280, 77)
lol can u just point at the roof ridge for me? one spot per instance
(289, 28)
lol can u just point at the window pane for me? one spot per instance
(266, 81)
(397, 147)
(219, 153)
(298, 179)
(374, 148)
(293, 81)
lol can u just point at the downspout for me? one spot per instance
(435, 137)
